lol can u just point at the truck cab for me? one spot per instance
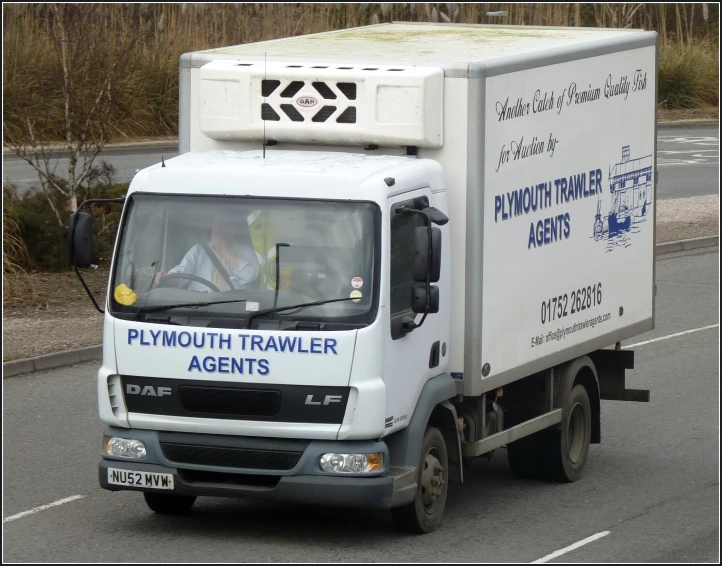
(329, 354)
(331, 223)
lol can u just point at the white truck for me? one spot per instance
(382, 252)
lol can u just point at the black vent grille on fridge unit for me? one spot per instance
(268, 113)
(292, 113)
(324, 114)
(348, 89)
(348, 116)
(292, 89)
(267, 87)
(324, 90)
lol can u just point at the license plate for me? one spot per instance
(140, 479)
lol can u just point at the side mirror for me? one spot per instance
(80, 239)
(421, 254)
(418, 298)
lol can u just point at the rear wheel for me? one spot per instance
(425, 512)
(524, 457)
(566, 447)
(169, 504)
(558, 453)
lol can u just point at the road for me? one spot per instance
(126, 162)
(652, 483)
(688, 161)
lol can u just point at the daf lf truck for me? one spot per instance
(381, 253)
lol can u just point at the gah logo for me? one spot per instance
(306, 101)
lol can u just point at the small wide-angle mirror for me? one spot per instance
(418, 298)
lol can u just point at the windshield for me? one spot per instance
(212, 261)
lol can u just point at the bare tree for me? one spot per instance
(89, 76)
(619, 15)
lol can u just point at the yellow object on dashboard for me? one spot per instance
(125, 295)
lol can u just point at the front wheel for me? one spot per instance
(424, 513)
(169, 504)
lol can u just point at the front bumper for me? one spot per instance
(304, 483)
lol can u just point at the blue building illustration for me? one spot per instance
(630, 187)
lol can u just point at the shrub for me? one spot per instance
(46, 240)
(688, 76)
(17, 286)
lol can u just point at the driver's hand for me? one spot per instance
(159, 276)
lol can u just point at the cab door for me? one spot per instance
(412, 357)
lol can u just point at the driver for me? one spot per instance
(235, 254)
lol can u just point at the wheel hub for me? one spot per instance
(432, 481)
(576, 433)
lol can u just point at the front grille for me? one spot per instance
(194, 476)
(233, 401)
(241, 402)
(230, 457)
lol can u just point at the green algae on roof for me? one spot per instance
(450, 33)
(430, 42)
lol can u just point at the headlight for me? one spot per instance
(351, 463)
(124, 447)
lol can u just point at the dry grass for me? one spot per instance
(31, 77)
(62, 317)
(17, 284)
(58, 292)
(674, 114)
(688, 76)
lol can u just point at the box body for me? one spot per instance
(549, 139)
(568, 208)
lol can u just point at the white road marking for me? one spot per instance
(42, 508)
(569, 548)
(671, 336)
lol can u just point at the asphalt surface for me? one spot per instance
(653, 483)
(126, 161)
(688, 160)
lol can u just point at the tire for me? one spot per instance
(566, 447)
(169, 504)
(425, 512)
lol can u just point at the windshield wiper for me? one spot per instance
(300, 307)
(159, 308)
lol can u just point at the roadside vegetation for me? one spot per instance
(689, 75)
(145, 93)
(109, 72)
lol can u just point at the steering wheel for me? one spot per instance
(188, 276)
